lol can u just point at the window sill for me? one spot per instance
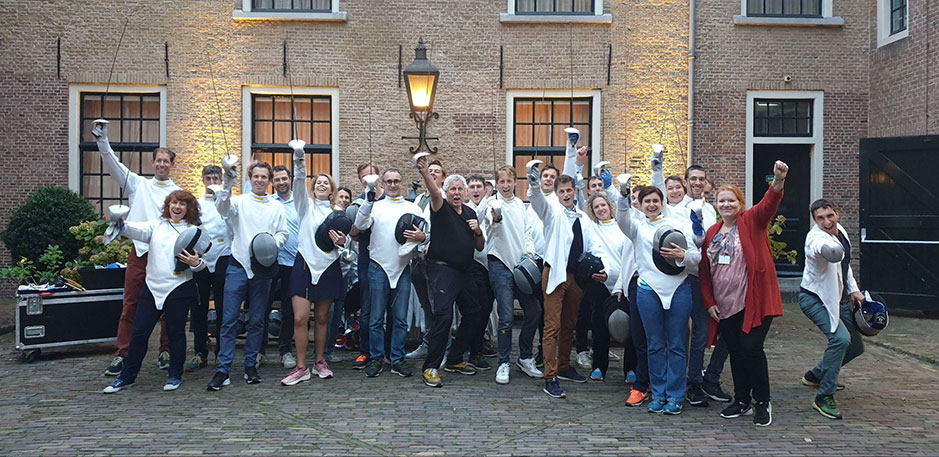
(883, 41)
(836, 21)
(241, 15)
(555, 19)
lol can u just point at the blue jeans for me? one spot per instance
(503, 284)
(699, 332)
(843, 345)
(383, 296)
(237, 288)
(716, 364)
(666, 333)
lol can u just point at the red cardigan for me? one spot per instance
(762, 297)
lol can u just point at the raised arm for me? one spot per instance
(624, 209)
(223, 202)
(764, 211)
(436, 194)
(301, 198)
(536, 197)
(139, 231)
(128, 180)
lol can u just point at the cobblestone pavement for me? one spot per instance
(54, 407)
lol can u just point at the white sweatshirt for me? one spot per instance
(609, 244)
(145, 195)
(507, 240)
(160, 236)
(383, 248)
(641, 232)
(823, 278)
(218, 230)
(250, 214)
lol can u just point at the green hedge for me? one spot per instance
(43, 220)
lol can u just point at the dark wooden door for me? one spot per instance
(795, 202)
(899, 219)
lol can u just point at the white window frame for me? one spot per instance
(246, 14)
(597, 18)
(827, 19)
(74, 120)
(247, 126)
(596, 119)
(883, 24)
(816, 140)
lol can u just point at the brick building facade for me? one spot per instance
(625, 63)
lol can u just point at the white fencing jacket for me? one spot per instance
(161, 236)
(508, 240)
(382, 217)
(218, 230)
(611, 246)
(251, 214)
(823, 278)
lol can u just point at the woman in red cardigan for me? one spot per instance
(740, 291)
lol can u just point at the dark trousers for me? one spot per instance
(134, 283)
(176, 309)
(285, 338)
(595, 294)
(478, 275)
(419, 282)
(716, 365)
(446, 288)
(747, 359)
(210, 285)
(637, 333)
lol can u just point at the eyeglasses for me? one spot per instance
(392, 181)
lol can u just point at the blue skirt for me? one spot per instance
(330, 287)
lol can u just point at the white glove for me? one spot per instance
(658, 157)
(534, 174)
(623, 181)
(297, 146)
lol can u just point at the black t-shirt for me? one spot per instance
(451, 239)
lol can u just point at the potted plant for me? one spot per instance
(97, 266)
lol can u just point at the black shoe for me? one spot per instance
(479, 363)
(572, 375)
(489, 349)
(374, 368)
(402, 369)
(763, 414)
(116, 366)
(713, 390)
(809, 379)
(553, 388)
(696, 396)
(252, 376)
(736, 409)
(220, 379)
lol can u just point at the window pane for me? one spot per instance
(263, 108)
(560, 137)
(151, 132)
(583, 6)
(305, 132)
(91, 106)
(523, 112)
(562, 112)
(543, 135)
(263, 132)
(282, 109)
(789, 109)
(91, 162)
(812, 8)
(303, 107)
(564, 6)
(523, 135)
(321, 163)
(263, 4)
(282, 4)
(91, 186)
(321, 133)
(805, 126)
(544, 6)
(282, 132)
(131, 131)
(321, 109)
(322, 5)
(114, 132)
(792, 7)
(775, 126)
(584, 135)
(759, 126)
(754, 7)
(543, 112)
(789, 126)
(132, 107)
(525, 6)
(773, 6)
(581, 112)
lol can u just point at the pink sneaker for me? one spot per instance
(298, 375)
(322, 370)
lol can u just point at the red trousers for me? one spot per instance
(134, 282)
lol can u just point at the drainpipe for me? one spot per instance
(691, 58)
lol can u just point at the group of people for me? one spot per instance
(590, 247)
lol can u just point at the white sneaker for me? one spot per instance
(418, 353)
(502, 374)
(288, 360)
(172, 384)
(613, 356)
(528, 367)
(583, 359)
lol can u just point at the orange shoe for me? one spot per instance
(637, 398)
(360, 362)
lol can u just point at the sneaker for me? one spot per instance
(401, 368)
(630, 377)
(218, 380)
(637, 398)
(696, 396)
(762, 414)
(736, 409)
(163, 360)
(431, 378)
(360, 362)
(713, 390)
(288, 361)
(572, 375)
(539, 359)
(809, 379)
(117, 385)
(825, 405)
(114, 369)
(252, 376)
(374, 368)
(596, 375)
(553, 389)
(322, 369)
(479, 363)
(258, 359)
(502, 374)
(489, 349)
(528, 367)
(197, 361)
(332, 357)
(172, 384)
(296, 376)
(418, 353)
(657, 406)
(613, 356)
(673, 408)
(584, 360)
(461, 368)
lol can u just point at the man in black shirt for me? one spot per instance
(455, 233)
